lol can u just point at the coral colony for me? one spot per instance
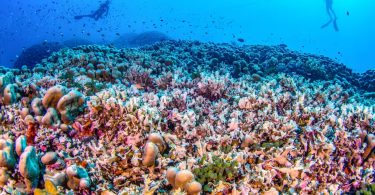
(181, 117)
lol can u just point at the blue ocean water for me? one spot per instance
(249, 97)
(296, 23)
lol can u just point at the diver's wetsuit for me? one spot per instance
(332, 15)
(99, 13)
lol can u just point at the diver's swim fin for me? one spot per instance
(326, 24)
(335, 25)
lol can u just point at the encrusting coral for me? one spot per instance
(186, 117)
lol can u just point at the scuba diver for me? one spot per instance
(332, 15)
(99, 13)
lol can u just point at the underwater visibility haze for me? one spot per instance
(187, 97)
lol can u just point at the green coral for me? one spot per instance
(219, 170)
(195, 75)
(367, 189)
(93, 87)
(69, 77)
(226, 149)
(275, 144)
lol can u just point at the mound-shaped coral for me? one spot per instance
(7, 154)
(35, 53)
(142, 39)
(29, 168)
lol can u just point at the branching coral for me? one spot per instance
(213, 87)
(140, 77)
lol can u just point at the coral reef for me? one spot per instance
(129, 40)
(367, 80)
(186, 117)
(35, 53)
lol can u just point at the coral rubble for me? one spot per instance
(186, 117)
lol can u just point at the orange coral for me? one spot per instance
(85, 130)
(31, 133)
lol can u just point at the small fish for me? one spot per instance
(241, 40)
(347, 13)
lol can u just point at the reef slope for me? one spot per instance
(181, 116)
